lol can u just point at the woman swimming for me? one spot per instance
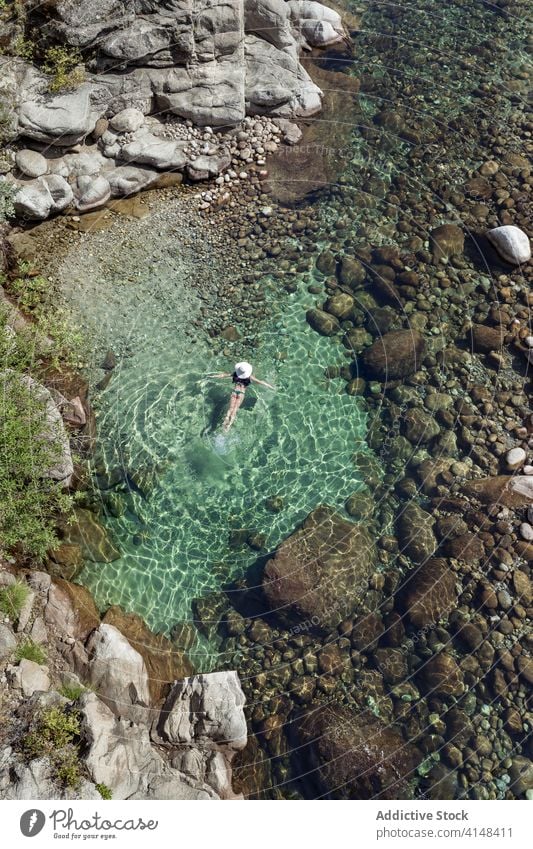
(241, 377)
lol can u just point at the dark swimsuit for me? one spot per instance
(240, 384)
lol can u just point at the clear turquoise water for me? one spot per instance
(296, 443)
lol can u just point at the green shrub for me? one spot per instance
(12, 599)
(72, 692)
(23, 48)
(29, 500)
(54, 735)
(28, 650)
(104, 791)
(65, 67)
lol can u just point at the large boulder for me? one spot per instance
(120, 755)
(318, 575)
(355, 756)
(316, 23)
(40, 198)
(276, 83)
(118, 673)
(512, 244)
(395, 355)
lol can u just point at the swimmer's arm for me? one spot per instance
(263, 383)
(221, 374)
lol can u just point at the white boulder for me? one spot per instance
(512, 243)
(31, 163)
(128, 180)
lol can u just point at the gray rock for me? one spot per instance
(91, 192)
(36, 781)
(292, 133)
(276, 83)
(8, 641)
(512, 243)
(128, 180)
(203, 167)
(61, 192)
(29, 677)
(319, 25)
(31, 163)
(34, 201)
(121, 756)
(89, 163)
(206, 710)
(25, 611)
(63, 119)
(118, 673)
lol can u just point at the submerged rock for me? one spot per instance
(512, 244)
(31, 163)
(318, 575)
(507, 490)
(356, 756)
(93, 539)
(446, 241)
(322, 322)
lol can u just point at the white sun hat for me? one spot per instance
(243, 370)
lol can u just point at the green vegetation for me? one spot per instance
(55, 735)
(36, 297)
(23, 48)
(104, 791)
(65, 67)
(29, 500)
(28, 650)
(12, 599)
(72, 692)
